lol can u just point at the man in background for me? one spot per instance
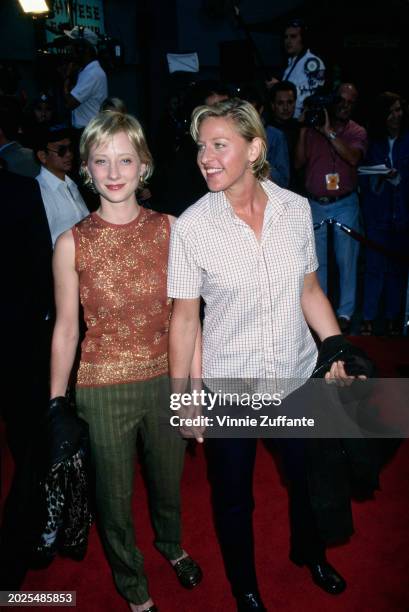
(18, 159)
(27, 300)
(304, 69)
(331, 153)
(62, 200)
(91, 88)
(283, 97)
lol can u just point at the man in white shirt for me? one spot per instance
(91, 89)
(304, 69)
(63, 202)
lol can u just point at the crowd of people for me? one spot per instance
(254, 176)
(318, 160)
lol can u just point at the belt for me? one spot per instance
(324, 200)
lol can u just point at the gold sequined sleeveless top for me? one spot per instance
(122, 276)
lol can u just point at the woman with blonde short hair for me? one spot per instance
(115, 260)
(247, 248)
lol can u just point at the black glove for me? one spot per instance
(65, 431)
(356, 363)
(337, 348)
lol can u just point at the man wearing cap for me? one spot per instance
(62, 200)
(91, 89)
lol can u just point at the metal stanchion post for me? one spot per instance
(353, 234)
(331, 272)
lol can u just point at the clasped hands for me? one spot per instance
(190, 412)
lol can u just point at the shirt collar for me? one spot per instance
(296, 58)
(53, 181)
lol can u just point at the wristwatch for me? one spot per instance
(331, 135)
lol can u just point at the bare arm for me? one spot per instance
(196, 365)
(185, 358)
(351, 155)
(321, 318)
(66, 330)
(183, 338)
(316, 308)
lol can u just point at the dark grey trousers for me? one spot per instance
(116, 415)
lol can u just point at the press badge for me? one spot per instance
(332, 181)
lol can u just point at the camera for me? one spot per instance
(315, 106)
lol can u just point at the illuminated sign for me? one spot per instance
(89, 13)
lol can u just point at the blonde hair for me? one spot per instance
(105, 125)
(247, 123)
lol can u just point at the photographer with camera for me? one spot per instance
(331, 146)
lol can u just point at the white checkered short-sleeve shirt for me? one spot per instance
(254, 326)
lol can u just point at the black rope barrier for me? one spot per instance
(400, 257)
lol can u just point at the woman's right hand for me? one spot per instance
(193, 413)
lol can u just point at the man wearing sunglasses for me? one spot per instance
(62, 200)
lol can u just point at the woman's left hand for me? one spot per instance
(337, 375)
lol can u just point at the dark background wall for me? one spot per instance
(201, 32)
(360, 41)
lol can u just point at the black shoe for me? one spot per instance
(324, 575)
(249, 601)
(188, 572)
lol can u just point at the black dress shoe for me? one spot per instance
(250, 601)
(324, 575)
(188, 572)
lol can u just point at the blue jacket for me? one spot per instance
(385, 205)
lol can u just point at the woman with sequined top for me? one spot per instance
(115, 261)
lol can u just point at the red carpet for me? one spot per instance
(375, 562)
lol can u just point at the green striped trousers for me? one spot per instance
(117, 415)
